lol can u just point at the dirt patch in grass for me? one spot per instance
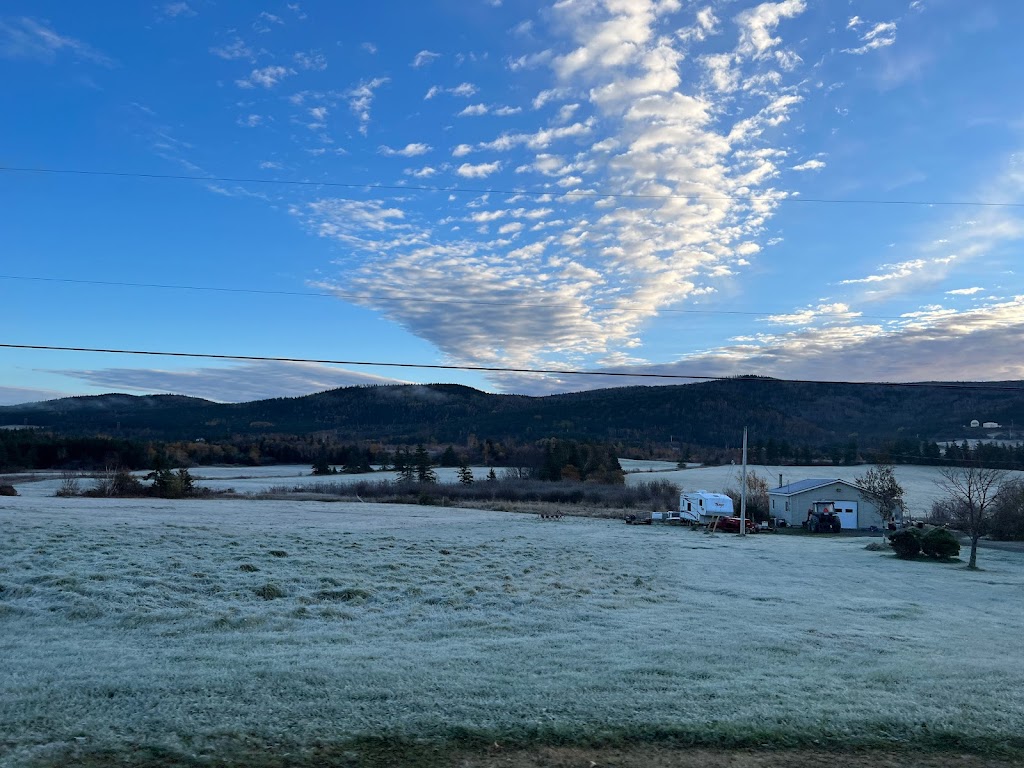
(655, 757)
(497, 756)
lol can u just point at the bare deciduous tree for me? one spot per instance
(879, 483)
(973, 491)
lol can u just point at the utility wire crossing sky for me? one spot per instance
(498, 188)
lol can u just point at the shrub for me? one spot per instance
(68, 485)
(907, 543)
(940, 543)
(116, 482)
(7, 490)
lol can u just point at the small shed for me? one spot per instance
(854, 507)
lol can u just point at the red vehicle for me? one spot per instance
(732, 525)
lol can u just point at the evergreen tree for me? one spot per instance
(491, 477)
(449, 458)
(404, 466)
(321, 465)
(421, 461)
(465, 474)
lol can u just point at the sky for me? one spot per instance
(812, 189)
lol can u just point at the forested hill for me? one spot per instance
(707, 414)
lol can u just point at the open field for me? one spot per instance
(214, 627)
(918, 482)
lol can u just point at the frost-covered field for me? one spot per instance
(194, 624)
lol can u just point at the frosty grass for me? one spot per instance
(134, 622)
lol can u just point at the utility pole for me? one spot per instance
(743, 489)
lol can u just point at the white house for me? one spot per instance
(854, 507)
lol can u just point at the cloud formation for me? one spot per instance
(28, 38)
(233, 383)
(577, 286)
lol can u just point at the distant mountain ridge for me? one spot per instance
(709, 413)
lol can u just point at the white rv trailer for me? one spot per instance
(703, 506)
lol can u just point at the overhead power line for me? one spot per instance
(497, 191)
(502, 369)
(419, 300)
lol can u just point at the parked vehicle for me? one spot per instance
(732, 525)
(634, 520)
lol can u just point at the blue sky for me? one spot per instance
(621, 185)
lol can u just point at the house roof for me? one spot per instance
(805, 485)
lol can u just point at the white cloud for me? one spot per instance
(312, 60)
(423, 58)
(549, 94)
(27, 38)
(965, 291)
(932, 345)
(249, 121)
(832, 312)
(464, 90)
(810, 165)
(757, 24)
(879, 35)
(264, 20)
(503, 111)
(479, 171)
(722, 71)
(369, 47)
(236, 49)
(267, 77)
(234, 383)
(409, 150)
(529, 61)
(705, 25)
(360, 100)
(173, 10)
(421, 173)
(474, 110)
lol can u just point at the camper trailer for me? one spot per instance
(703, 506)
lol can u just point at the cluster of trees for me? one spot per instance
(35, 449)
(118, 482)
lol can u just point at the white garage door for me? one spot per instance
(847, 511)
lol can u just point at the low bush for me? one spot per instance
(906, 543)
(8, 490)
(658, 495)
(940, 543)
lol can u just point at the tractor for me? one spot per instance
(822, 518)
